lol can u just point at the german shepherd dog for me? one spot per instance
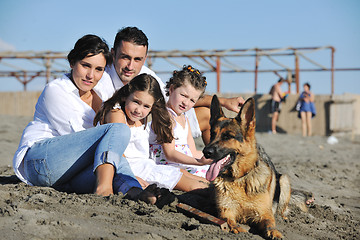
(248, 189)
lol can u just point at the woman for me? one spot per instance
(306, 110)
(60, 148)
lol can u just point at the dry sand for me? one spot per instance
(331, 172)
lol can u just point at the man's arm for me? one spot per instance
(232, 104)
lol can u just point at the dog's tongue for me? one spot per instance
(215, 168)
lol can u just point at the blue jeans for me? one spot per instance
(68, 162)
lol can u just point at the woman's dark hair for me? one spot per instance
(189, 74)
(87, 46)
(307, 84)
(161, 121)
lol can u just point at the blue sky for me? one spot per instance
(187, 25)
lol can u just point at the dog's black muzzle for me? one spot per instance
(212, 151)
(209, 152)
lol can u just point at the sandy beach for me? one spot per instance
(330, 172)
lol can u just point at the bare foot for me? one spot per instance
(152, 194)
(302, 199)
(104, 190)
(104, 178)
(310, 200)
(165, 198)
(133, 193)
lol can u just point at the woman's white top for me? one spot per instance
(59, 111)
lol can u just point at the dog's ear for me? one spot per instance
(246, 118)
(215, 110)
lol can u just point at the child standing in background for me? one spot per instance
(184, 88)
(131, 105)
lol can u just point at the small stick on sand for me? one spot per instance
(202, 216)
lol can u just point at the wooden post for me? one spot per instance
(48, 69)
(332, 70)
(289, 81)
(256, 70)
(218, 70)
(297, 73)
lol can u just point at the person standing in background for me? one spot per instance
(277, 96)
(307, 111)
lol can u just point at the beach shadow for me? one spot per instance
(207, 205)
(327, 117)
(13, 179)
(204, 201)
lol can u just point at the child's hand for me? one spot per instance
(204, 161)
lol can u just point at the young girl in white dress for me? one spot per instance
(131, 105)
(184, 88)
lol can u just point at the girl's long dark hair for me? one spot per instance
(161, 121)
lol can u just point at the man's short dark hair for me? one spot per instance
(131, 34)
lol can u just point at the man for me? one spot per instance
(276, 98)
(129, 55)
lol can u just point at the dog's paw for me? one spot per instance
(274, 234)
(236, 228)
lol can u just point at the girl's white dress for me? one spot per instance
(181, 145)
(137, 154)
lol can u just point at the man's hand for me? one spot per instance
(232, 104)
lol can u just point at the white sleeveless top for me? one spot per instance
(138, 147)
(180, 134)
(137, 154)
